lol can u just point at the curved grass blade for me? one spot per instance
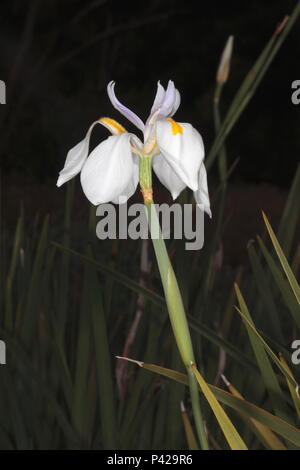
(232, 436)
(11, 274)
(65, 262)
(234, 352)
(34, 288)
(268, 350)
(282, 284)
(278, 425)
(259, 348)
(266, 294)
(103, 366)
(268, 438)
(284, 263)
(296, 261)
(125, 280)
(160, 301)
(190, 436)
(29, 375)
(290, 215)
(293, 392)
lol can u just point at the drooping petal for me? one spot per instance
(116, 128)
(130, 115)
(131, 188)
(108, 170)
(76, 158)
(183, 148)
(201, 195)
(113, 126)
(167, 176)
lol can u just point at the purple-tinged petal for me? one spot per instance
(165, 104)
(130, 115)
(176, 103)
(159, 97)
(169, 100)
(150, 125)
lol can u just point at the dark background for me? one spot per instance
(57, 58)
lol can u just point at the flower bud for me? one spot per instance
(223, 70)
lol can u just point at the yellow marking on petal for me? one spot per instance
(176, 128)
(113, 126)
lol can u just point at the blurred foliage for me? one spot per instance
(70, 303)
(65, 315)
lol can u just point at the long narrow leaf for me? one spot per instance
(232, 436)
(278, 425)
(284, 262)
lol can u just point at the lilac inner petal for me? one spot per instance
(159, 97)
(176, 103)
(130, 115)
(169, 100)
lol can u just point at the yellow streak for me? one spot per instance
(114, 126)
(176, 128)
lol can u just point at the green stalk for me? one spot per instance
(177, 315)
(173, 297)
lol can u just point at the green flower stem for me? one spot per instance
(176, 313)
(146, 172)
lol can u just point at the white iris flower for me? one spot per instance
(111, 170)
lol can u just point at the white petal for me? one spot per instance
(108, 170)
(201, 195)
(75, 158)
(167, 176)
(131, 188)
(116, 128)
(184, 150)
